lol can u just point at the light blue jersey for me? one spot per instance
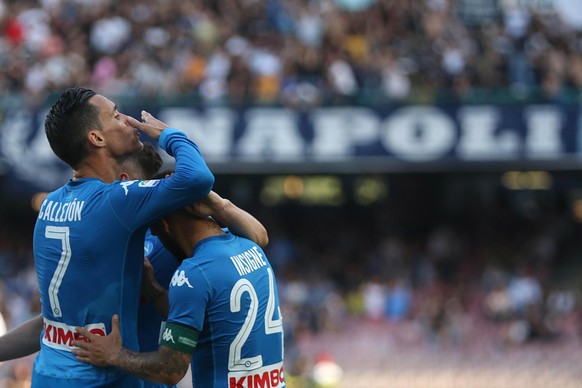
(227, 292)
(88, 250)
(149, 318)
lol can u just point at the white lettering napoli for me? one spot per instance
(56, 211)
(411, 133)
(248, 261)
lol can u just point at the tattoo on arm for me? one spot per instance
(166, 366)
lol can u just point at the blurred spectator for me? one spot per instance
(280, 52)
(524, 291)
(399, 300)
(375, 296)
(498, 305)
(329, 283)
(326, 373)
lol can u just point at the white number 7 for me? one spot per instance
(58, 233)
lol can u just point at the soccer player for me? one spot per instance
(24, 339)
(89, 235)
(164, 263)
(224, 314)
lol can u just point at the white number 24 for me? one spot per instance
(272, 326)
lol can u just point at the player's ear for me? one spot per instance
(165, 225)
(160, 227)
(123, 176)
(95, 138)
(191, 209)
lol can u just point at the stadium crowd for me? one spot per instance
(490, 279)
(292, 52)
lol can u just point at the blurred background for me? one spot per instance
(416, 162)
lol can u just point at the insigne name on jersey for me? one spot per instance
(248, 261)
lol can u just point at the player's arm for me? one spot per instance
(37, 199)
(139, 203)
(166, 366)
(228, 215)
(21, 341)
(151, 291)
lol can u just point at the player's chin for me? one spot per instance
(137, 145)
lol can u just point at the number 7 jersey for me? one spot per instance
(227, 292)
(88, 251)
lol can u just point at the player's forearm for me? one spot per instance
(242, 223)
(161, 302)
(21, 341)
(164, 366)
(191, 172)
(152, 292)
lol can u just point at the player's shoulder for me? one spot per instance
(213, 261)
(83, 187)
(77, 189)
(127, 188)
(201, 266)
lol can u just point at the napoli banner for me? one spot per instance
(331, 139)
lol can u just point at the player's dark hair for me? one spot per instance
(68, 122)
(148, 161)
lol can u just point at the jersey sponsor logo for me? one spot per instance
(167, 336)
(125, 186)
(270, 376)
(179, 279)
(59, 335)
(150, 183)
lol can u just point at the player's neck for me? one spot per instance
(194, 231)
(105, 169)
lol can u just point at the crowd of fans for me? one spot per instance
(489, 277)
(480, 279)
(293, 51)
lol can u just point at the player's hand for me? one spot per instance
(150, 288)
(98, 350)
(36, 200)
(209, 206)
(149, 125)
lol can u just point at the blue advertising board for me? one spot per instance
(333, 139)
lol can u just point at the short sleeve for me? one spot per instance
(189, 295)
